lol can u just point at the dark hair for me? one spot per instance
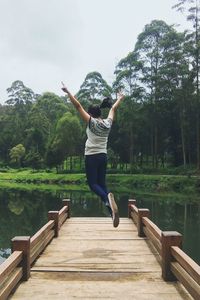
(95, 110)
(106, 103)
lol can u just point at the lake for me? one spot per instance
(23, 212)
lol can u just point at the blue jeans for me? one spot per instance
(95, 166)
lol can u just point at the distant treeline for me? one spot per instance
(158, 123)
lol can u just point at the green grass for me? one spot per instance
(29, 175)
(150, 183)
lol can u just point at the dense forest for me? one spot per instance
(157, 125)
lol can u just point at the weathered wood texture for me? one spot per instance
(92, 260)
(10, 274)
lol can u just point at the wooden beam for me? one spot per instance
(168, 239)
(67, 202)
(130, 202)
(22, 243)
(142, 212)
(54, 215)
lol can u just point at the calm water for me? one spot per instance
(24, 212)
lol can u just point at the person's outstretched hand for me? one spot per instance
(120, 96)
(64, 88)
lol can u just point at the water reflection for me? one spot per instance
(24, 212)
(180, 215)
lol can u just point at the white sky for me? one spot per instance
(45, 41)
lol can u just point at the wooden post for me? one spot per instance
(130, 202)
(168, 239)
(142, 212)
(54, 215)
(22, 243)
(67, 202)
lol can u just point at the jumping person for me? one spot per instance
(97, 131)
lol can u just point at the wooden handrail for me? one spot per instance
(189, 283)
(63, 210)
(11, 283)
(134, 208)
(175, 263)
(192, 268)
(10, 264)
(41, 233)
(25, 251)
(153, 239)
(152, 227)
(41, 245)
(10, 273)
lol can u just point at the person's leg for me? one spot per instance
(101, 180)
(101, 172)
(92, 163)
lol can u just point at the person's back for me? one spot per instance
(97, 135)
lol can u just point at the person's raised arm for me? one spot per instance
(115, 106)
(84, 115)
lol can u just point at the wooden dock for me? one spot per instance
(92, 260)
(86, 258)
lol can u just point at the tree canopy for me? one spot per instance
(157, 125)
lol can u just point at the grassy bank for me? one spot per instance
(150, 183)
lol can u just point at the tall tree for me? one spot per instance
(16, 154)
(127, 74)
(177, 85)
(37, 131)
(192, 7)
(65, 141)
(94, 87)
(52, 107)
(149, 49)
(19, 94)
(21, 99)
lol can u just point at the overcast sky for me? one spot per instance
(45, 41)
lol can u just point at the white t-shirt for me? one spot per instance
(97, 135)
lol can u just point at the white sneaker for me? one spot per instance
(114, 208)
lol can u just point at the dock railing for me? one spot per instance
(26, 249)
(175, 263)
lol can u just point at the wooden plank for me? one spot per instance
(10, 264)
(120, 289)
(40, 234)
(133, 267)
(107, 225)
(96, 230)
(11, 283)
(187, 263)
(99, 247)
(92, 220)
(192, 286)
(93, 276)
